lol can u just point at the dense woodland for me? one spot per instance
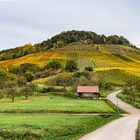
(62, 40)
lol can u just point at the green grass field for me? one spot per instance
(58, 104)
(26, 119)
(48, 127)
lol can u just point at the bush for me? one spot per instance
(53, 65)
(29, 76)
(71, 66)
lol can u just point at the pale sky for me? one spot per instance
(32, 21)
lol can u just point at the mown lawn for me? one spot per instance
(49, 127)
(52, 103)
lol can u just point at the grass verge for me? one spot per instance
(135, 102)
(138, 132)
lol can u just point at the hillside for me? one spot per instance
(114, 61)
(63, 39)
(101, 57)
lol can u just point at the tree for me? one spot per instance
(21, 81)
(3, 75)
(28, 90)
(23, 68)
(28, 67)
(53, 65)
(29, 76)
(10, 84)
(71, 66)
(58, 44)
(12, 93)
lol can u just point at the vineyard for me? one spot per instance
(101, 60)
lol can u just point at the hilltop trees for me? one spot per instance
(61, 40)
(87, 37)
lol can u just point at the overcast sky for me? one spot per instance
(32, 21)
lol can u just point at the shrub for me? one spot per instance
(71, 66)
(53, 65)
(138, 132)
(23, 68)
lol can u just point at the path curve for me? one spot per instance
(120, 129)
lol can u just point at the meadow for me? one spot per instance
(56, 104)
(48, 126)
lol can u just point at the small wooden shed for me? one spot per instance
(88, 91)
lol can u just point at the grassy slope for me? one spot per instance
(135, 103)
(114, 76)
(56, 127)
(56, 104)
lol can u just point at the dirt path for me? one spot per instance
(121, 129)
